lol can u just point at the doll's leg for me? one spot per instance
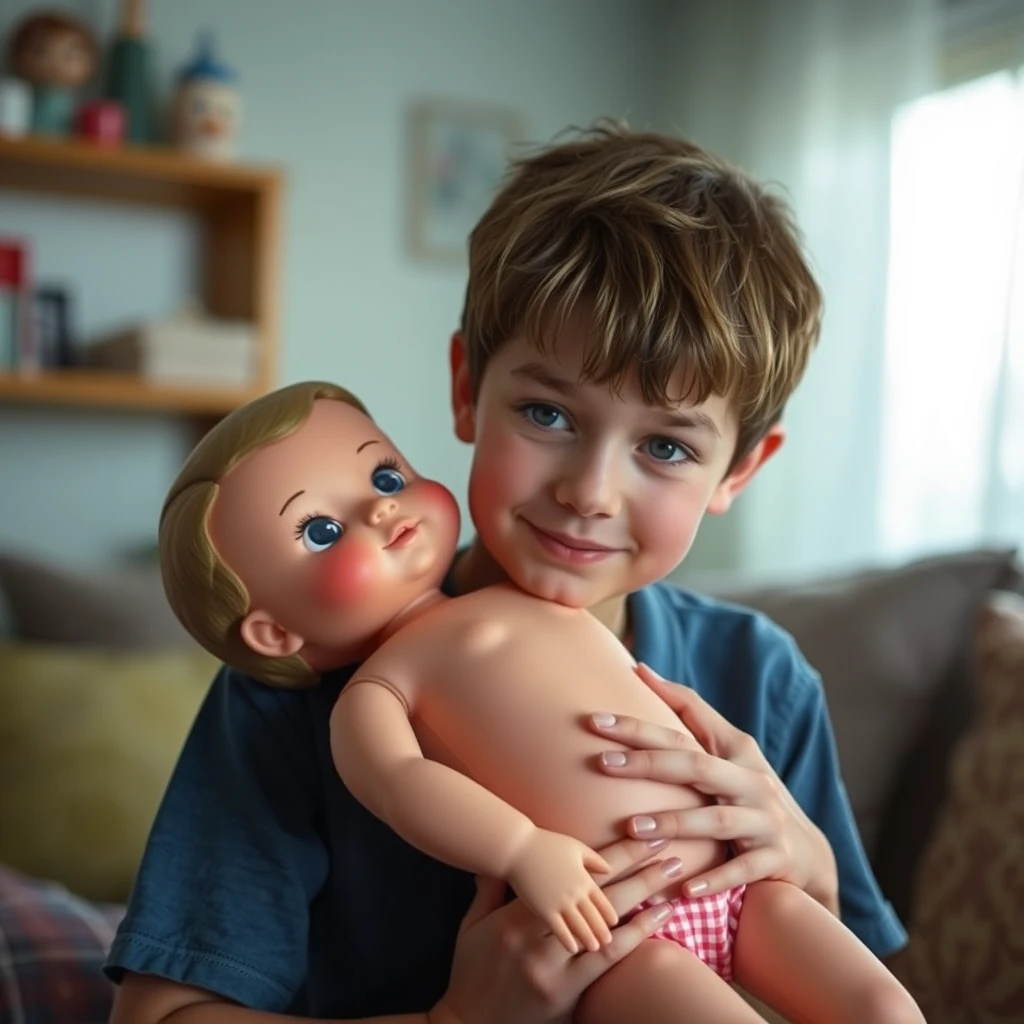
(794, 955)
(662, 983)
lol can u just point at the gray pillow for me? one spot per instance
(892, 646)
(121, 609)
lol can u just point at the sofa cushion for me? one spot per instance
(887, 641)
(122, 608)
(52, 946)
(87, 742)
(965, 960)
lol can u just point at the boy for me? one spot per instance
(637, 315)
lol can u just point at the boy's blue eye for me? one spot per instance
(387, 480)
(319, 533)
(662, 449)
(549, 417)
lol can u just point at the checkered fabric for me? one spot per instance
(52, 946)
(706, 926)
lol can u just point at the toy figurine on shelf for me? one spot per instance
(207, 106)
(57, 55)
(297, 539)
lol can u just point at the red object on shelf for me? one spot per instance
(101, 121)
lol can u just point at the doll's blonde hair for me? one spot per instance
(208, 598)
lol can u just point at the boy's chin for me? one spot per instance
(560, 587)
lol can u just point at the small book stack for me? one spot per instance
(189, 348)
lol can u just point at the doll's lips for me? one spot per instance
(402, 534)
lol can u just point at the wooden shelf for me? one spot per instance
(127, 173)
(119, 392)
(239, 208)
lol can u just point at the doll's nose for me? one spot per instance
(382, 510)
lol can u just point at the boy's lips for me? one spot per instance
(402, 534)
(568, 548)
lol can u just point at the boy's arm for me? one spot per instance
(146, 999)
(454, 819)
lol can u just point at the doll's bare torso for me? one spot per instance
(499, 684)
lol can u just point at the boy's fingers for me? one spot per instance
(628, 894)
(640, 735)
(626, 855)
(752, 866)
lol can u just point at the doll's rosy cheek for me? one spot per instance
(344, 574)
(438, 497)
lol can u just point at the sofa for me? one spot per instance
(923, 667)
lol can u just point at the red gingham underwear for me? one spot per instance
(706, 926)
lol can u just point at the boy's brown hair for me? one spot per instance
(686, 261)
(208, 598)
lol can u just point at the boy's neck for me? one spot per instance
(475, 568)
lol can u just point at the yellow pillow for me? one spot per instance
(88, 740)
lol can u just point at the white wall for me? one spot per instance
(326, 84)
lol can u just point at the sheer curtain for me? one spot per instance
(803, 92)
(953, 416)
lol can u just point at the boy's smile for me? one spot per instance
(582, 492)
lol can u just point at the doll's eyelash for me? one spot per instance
(305, 521)
(390, 462)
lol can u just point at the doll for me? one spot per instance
(57, 55)
(207, 106)
(297, 539)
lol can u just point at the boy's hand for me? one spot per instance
(551, 874)
(772, 836)
(509, 968)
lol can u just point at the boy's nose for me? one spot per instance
(589, 487)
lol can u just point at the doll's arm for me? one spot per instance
(449, 816)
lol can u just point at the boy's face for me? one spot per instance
(333, 535)
(582, 495)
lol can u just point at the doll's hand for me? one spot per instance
(753, 810)
(509, 969)
(550, 873)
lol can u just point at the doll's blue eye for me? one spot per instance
(387, 480)
(320, 533)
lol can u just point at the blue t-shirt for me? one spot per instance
(266, 882)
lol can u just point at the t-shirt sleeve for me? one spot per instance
(807, 761)
(234, 858)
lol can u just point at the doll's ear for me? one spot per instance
(267, 637)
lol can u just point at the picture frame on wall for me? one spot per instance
(459, 154)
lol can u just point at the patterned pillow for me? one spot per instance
(965, 960)
(52, 946)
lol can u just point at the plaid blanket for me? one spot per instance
(52, 945)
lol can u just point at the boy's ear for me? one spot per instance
(265, 636)
(463, 413)
(743, 472)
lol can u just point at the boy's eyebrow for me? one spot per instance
(540, 374)
(365, 444)
(694, 419)
(289, 501)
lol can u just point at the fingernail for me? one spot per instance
(603, 720)
(696, 888)
(657, 675)
(672, 868)
(613, 759)
(661, 912)
(656, 844)
(644, 824)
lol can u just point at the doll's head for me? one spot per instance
(53, 49)
(296, 532)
